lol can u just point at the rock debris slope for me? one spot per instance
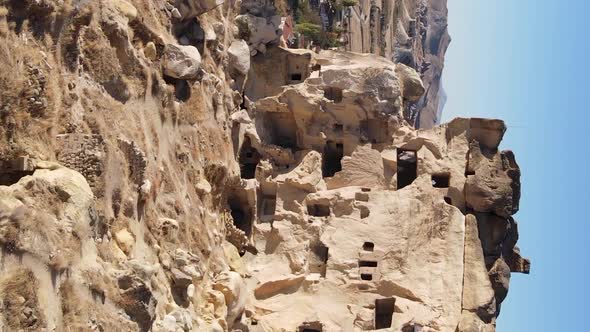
(169, 166)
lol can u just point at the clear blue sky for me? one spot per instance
(525, 61)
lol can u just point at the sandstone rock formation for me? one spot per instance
(167, 166)
(411, 32)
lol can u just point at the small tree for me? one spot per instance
(349, 3)
(310, 31)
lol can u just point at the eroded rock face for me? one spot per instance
(188, 9)
(169, 167)
(391, 219)
(413, 33)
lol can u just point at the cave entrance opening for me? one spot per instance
(11, 171)
(441, 180)
(318, 210)
(368, 246)
(333, 93)
(318, 260)
(332, 158)
(241, 212)
(10, 178)
(297, 68)
(366, 276)
(281, 129)
(384, 312)
(368, 263)
(310, 327)
(268, 206)
(407, 167)
(249, 159)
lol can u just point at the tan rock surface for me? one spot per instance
(168, 167)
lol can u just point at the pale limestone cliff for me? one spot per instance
(412, 32)
(168, 166)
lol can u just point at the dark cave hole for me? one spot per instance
(333, 93)
(368, 264)
(281, 129)
(182, 89)
(318, 210)
(441, 180)
(407, 167)
(384, 312)
(319, 259)
(368, 246)
(332, 158)
(249, 159)
(8, 179)
(366, 276)
(241, 214)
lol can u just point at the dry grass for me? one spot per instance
(18, 292)
(78, 309)
(100, 60)
(9, 227)
(26, 127)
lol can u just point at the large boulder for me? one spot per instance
(500, 279)
(278, 285)
(259, 31)
(493, 182)
(412, 87)
(308, 176)
(488, 132)
(233, 288)
(192, 8)
(239, 56)
(516, 262)
(47, 215)
(182, 62)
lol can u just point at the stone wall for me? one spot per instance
(84, 153)
(135, 158)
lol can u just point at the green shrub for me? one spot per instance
(310, 30)
(313, 32)
(349, 3)
(304, 14)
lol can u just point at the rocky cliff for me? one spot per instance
(412, 32)
(169, 166)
